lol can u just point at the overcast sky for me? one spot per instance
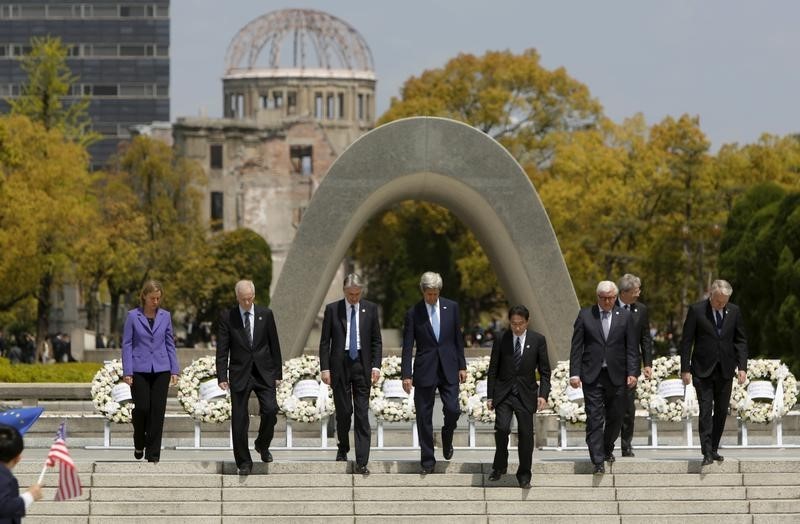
(735, 63)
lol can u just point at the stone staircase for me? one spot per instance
(757, 491)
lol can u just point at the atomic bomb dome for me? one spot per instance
(301, 63)
(298, 39)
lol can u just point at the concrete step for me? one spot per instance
(737, 490)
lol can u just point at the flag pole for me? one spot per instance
(41, 475)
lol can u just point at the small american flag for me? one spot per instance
(69, 485)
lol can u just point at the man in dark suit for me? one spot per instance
(603, 360)
(715, 329)
(433, 324)
(512, 389)
(350, 350)
(249, 359)
(630, 287)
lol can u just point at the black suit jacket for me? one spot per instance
(699, 331)
(503, 372)
(641, 324)
(12, 507)
(333, 342)
(235, 357)
(589, 347)
(448, 350)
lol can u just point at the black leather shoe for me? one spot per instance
(448, 452)
(496, 474)
(138, 454)
(426, 470)
(525, 484)
(266, 456)
(245, 470)
(708, 460)
(610, 458)
(599, 469)
(716, 456)
(628, 453)
(341, 456)
(362, 470)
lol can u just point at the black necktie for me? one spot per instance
(247, 328)
(517, 353)
(628, 307)
(719, 322)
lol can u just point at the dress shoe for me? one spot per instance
(266, 456)
(628, 453)
(610, 458)
(496, 474)
(426, 470)
(341, 456)
(599, 469)
(708, 460)
(716, 456)
(525, 484)
(245, 470)
(138, 454)
(362, 470)
(448, 452)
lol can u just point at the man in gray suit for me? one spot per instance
(350, 351)
(603, 360)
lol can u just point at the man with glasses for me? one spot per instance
(604, 360)
(630, 287)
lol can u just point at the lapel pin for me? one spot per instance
(444, 307)
(363, 310)
(260, 318)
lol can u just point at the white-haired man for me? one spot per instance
(713, 347)
(604, 359)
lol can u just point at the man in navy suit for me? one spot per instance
(249, 360)
(604, 359)
(715, 329)
(433, 324)
(512, 390)
(630, 287)
(350, 350)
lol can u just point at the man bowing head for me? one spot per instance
(350, 359)
(433, 325)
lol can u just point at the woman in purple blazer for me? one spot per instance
(149, 366)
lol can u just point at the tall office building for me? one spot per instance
(118, 50)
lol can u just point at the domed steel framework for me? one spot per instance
(336, 44)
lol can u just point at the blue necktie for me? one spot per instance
(719, 322)
(353, 338)
(247, 328)
(435, 322)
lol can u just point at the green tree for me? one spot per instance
(50, 81)
(45, 209)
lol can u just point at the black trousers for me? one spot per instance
(713, 396)
(512, 405)
(149, 391)
(628, 417)
(351, 395)
(603, 402)
(424, 398)
(240, 417)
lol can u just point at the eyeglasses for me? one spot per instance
(612, 297)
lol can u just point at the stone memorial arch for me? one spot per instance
(453, 165)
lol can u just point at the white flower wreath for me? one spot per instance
(395, 409)
(647, 391)
(472, 402)
(763, 411)
(103, 383)
(305, 367)
(200, 371)
(570, 410)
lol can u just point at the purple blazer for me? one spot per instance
(145, 350)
